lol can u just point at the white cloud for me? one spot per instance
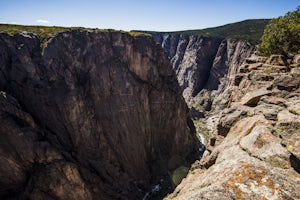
(42, 21)
(8, 22)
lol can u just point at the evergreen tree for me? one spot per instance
(282, 35)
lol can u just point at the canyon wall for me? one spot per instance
(204, 66)
(247, 108)
(93, 115)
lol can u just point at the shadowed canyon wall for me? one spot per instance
(90, 116)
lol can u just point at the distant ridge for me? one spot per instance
(249, 30)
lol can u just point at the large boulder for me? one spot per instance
(287, 82)
(276, 60)
(252, 98)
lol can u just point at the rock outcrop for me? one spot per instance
(205, 67)
(253, 152)
(93, 115)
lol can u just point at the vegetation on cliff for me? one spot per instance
(47, 32)
(247, 30)
(44, 32)
(282, 35)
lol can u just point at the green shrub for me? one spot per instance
(139, 34)
(47, 32)
(282, 35)
(179, 174)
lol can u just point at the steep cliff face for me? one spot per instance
(204, 66)
(90, 116)
(254, 149)
(252, 121)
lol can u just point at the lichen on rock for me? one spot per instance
(255, 150)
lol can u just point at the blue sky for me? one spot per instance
(157, 15)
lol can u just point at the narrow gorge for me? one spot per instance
(246, 108)
(89, 115)
(104, 114)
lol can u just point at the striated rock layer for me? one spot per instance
(204, 66)
(90, 116)
(254, 148)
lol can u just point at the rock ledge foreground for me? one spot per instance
(254, 148)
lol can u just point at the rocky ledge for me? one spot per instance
(254, 148)
(90, 116)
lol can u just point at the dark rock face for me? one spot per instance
(90, 116)
(205, 67)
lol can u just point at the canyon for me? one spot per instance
(253, 147)
(204, 66)
(89, 115)
(114, 115)
(246, 107)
